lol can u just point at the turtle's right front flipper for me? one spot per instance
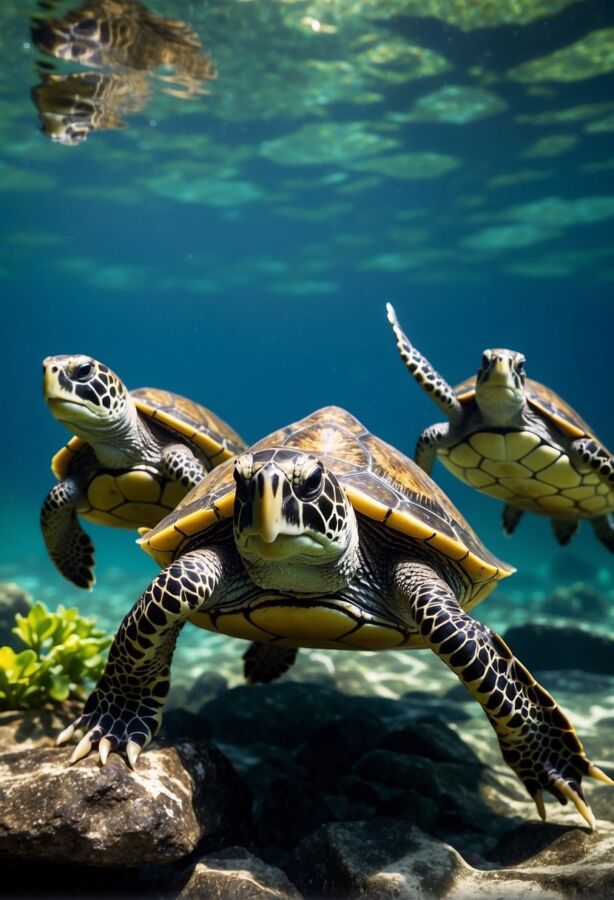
(125, 710)
(69, 547)
(536, 738)
(423, 372)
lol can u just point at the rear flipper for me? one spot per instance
(564, 529)
(69, 547)
(510, 518)
(264, 663)
(536, 738)
(603, 526)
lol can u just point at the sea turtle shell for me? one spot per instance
(380, 482)
(139, 495)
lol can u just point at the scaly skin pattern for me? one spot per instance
(125, 709)
(263, 663)
(427, 377)
(180, 464)
(69, 547)
(537, 740)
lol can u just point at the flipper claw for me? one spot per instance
(133, 751)
(104, 748)
(82, 749)
(599, 774)
(65, 735)
(541, 806)
(582, 807)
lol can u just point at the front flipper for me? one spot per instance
(125, 710)
(180, 464)
(69, 547)
(537, 739)
(564, 529)
(429, 380)
(264, 663)
(510, 518)
(431, 439)
(588, 452)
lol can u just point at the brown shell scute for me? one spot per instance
(187, 416)
(380, 482)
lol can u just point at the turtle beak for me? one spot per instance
(500, 374)
(267, 516)
(50, 380)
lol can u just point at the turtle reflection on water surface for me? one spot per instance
(516, 440)
(133, 456)
(322, 535)
(130, 44)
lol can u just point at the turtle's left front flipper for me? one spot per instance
(180, 464)
(125, 710)
(537, 739)
(68, 546)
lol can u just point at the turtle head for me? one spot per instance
(293, 524)
(84, 395)
(499, 389)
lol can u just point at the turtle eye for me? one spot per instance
(485, 359)
(83, 371)
(312, 485)
(241, 491)
(520, 366)
(86, 26)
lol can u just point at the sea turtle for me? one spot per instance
(322, 535)
(133, 456)
(515, 439)
(132, 45)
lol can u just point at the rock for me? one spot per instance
(380, 859)
(362, 859)
(180, 723)
(180, 797)
(553, 647)
(13, 600)
(336, 745)
(236, 874)
(431, 738)
(286, 812)
(281, 713)
(207, 686)
(578, 601)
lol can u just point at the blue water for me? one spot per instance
(195, 250)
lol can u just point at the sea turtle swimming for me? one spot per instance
(133, 456)
(131, 44)
(515, 439)
(322, 535)
(72, 106)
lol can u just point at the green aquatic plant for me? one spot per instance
(64, 656)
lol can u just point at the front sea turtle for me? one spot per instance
(134, 455)
(324, 536)
(515, 439)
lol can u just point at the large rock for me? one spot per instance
(380, 859)
(543, 647)
(180, 797)
(236, 874)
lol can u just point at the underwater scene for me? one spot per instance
(218, 200)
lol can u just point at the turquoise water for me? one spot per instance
(237, 239)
